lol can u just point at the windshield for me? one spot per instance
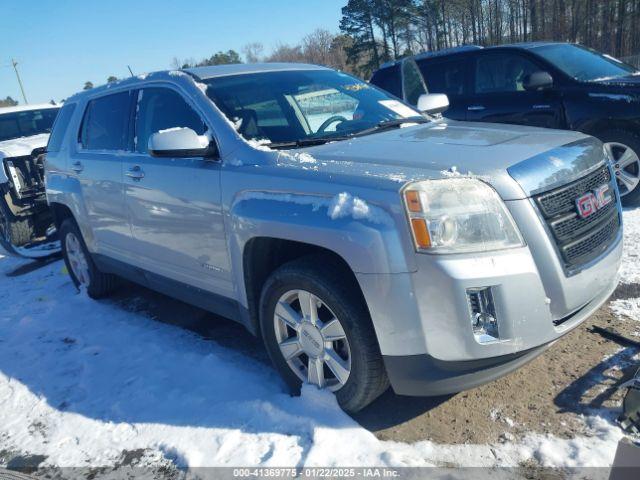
(303, 105)
(27, 123)
(584, 64)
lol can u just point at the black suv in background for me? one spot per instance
(553, 85)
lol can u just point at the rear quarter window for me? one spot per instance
(60, 127)
(389, 79)
(106, 122)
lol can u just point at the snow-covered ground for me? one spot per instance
(81, 381)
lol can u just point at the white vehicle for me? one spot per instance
(25, 218)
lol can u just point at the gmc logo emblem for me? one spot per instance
(591, 202)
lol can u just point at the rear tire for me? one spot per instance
(82, 269)
(355, 356)
(616, 143)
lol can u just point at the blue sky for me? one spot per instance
(61, 44)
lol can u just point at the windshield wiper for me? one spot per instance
(390, 124)
(384, 125)
(304, 142)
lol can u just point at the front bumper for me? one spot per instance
(424, 375)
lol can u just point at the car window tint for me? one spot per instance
(412, 82)
(60, 127)
(444, 77)
(105, 123)
(161, 109)
(501, 73)
(389, 79)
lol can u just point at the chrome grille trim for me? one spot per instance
(578, 240)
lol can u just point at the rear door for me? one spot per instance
(449, 76)
(174, 204)
(499, 95)
(97, 164)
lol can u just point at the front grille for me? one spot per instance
(580, 240)
(563, 199)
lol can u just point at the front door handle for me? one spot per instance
(476, 108)
(541, 106)
(135, 173)
(77, 167)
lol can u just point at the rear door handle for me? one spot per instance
(476, 108)
(77, 167)
(135, 173)
(541, 107)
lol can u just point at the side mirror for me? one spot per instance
(179, 143)
(433, 102)
(538, 81)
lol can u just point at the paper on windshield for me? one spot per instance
(399, 108)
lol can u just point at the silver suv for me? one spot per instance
(366, 242)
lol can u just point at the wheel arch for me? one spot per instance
(262, 256)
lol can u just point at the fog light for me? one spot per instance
(484, 321)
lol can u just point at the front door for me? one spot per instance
(174, 204)
(499, 95)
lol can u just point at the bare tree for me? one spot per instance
(253, 52)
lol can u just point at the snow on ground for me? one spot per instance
(630, 270)
(81, 381)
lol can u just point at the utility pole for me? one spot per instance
(15, 67)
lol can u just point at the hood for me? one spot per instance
(627, 81)
(445, 148)
(18, 147)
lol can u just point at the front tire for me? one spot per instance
(317, 329)
(624, 149)
(82, 269)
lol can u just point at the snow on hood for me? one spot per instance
(17, 147)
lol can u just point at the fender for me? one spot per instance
(369, 243)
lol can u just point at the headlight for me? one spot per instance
(459, 215)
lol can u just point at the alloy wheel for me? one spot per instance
(77, 259)
(626, 166)
(312, 340)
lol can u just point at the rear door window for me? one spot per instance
(445, 76)
(105, 123)
(60, 127)
(161, 109)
